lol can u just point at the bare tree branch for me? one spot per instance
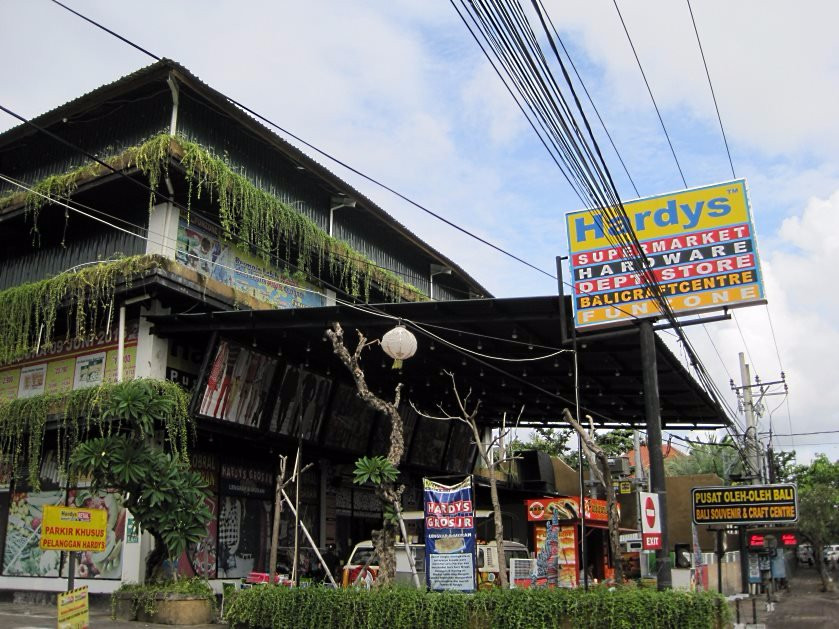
(599, 465)
(469, 417)
(389, 493)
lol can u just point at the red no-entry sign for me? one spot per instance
(650, 521)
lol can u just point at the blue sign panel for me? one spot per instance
(449, 535)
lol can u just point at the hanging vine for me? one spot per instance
(248, 215)
(31, 311)
(102, 410)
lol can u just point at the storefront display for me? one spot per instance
(558, 540)
(22, 555)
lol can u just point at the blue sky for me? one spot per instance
(400, 90)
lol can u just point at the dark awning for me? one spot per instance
(508, 330)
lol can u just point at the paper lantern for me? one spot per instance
(399, 344)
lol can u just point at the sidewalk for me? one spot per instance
(806, 605)
(803, 606)
(18, 616)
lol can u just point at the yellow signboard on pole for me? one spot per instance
(74, 609)
(73, 529)
(699, 245)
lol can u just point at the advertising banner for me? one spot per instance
(201, 247)
(699, 243)
(70, 528)
(74, 609)
(449, 535)
(751, 504)
(566, 508)
(64, 366)
(650, 521)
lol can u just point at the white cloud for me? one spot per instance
(802, 303)
(400, 91)
(772, 64)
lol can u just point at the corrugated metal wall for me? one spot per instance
(261, 165)
(251, 157)
(109, 130)
(121, 124)
(353, 227)
(42, 263)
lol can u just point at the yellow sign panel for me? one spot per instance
(9, 383)
(749, 504)
(699, 245)
(74, 609)
(74, 529)
(60, 375)
(663, 215)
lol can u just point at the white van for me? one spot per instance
(487, 563)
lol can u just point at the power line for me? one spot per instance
(746, 345)
(590, 100)
(514, 43)
(711, 85)
(336, 160)
(733, 174)
(327, 155)
(591, 170)
(807, 445)
(556, 34)
(803, 434)
(650, 91)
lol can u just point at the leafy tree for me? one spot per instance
(554, 441)
(714, 457)
(561, 443)
(783, 463)
(615, 442)
(818, 504)
(163, 494)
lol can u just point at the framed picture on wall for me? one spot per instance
(302, 402)
(237, 383)
(349, 421)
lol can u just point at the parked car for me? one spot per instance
(831, 553)
(487, 562)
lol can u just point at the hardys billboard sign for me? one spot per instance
(449, 535)
(699, 244)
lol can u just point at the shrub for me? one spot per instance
(145, 596)
(278, 607)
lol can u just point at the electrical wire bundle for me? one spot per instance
(503, 30)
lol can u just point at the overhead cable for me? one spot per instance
(328, 155)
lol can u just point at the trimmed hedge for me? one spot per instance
(270, 607)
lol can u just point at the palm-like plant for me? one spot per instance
(164, 495)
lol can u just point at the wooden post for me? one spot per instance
(278, 509)
(309, 537)
(294, 575)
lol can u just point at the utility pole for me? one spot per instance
(652, 410)
(752, 449)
